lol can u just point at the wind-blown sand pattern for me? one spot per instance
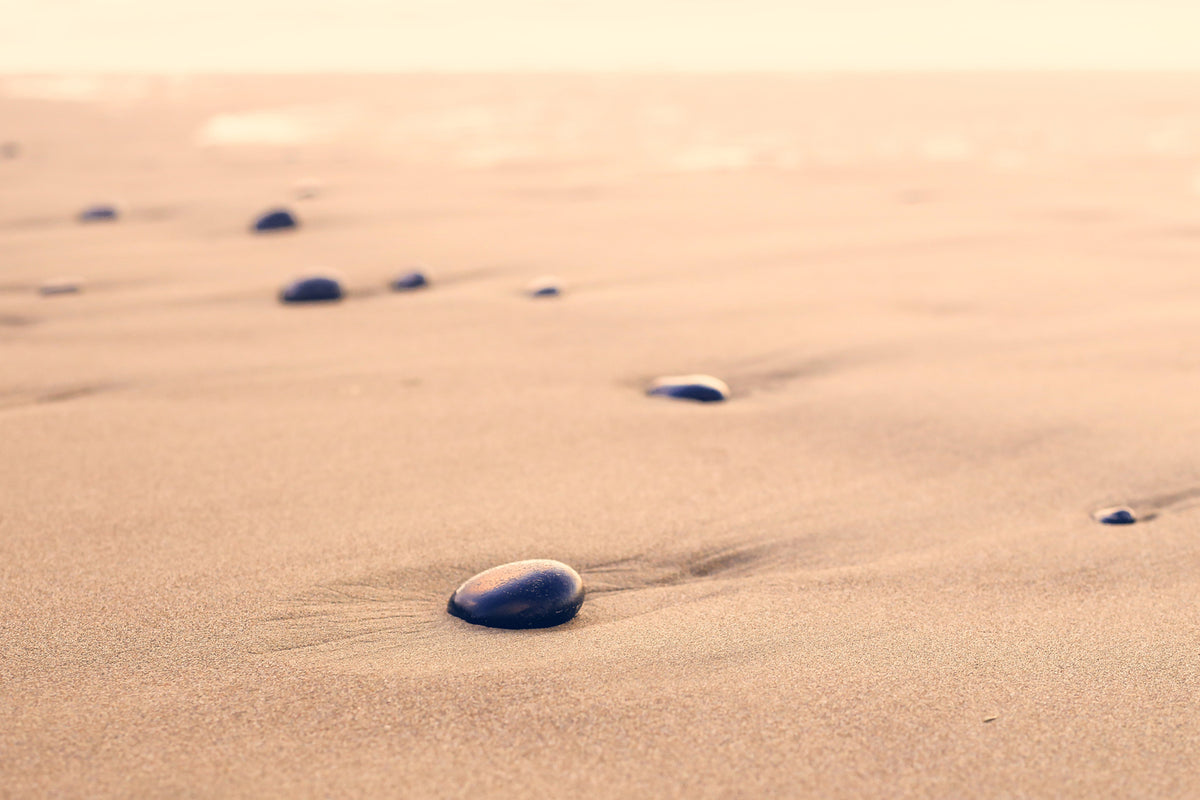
(957, 315)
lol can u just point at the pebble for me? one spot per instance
(98, 214)
(311, 290)
(409, 281)
(524, 594)
(703, 388)
(546, 286)
(10, 150)
(277, 219)
(1116, 516)
(60, 286)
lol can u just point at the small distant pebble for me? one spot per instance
(60, 286)
(409, 281)
(547, 286)
(10, 150)
(704, 388)
(316, 289)
(1116, 516)
(101, 213)
(278, 219)
(524, 594)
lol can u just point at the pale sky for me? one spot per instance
(484, 35)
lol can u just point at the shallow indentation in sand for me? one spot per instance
(1154, 506)
(713, 563)
(36, 222)
(771, 372)
(17, 321)
(21, 397)
(406, 609)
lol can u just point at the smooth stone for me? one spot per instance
(311, 290)
(702, 388)
(409, 281)
(10, 150)
(60, 286)
(98, 214)
(278, 219)
(1116, 516)
(547, 286)
(539, 593)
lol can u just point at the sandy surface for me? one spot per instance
(957, 314)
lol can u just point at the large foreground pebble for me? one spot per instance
(703, 388)
(277, 219)
(409, 281)
(546, 286)
(316, 289)
(524, 594)
(100, 213)
(1116, 516)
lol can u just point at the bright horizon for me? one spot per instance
(619, 35)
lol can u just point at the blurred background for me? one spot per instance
(720, 35)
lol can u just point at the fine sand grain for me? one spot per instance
(957, 316)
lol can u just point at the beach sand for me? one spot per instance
(957, 315)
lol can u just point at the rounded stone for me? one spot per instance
(277, 219)
(1116, 516)
(701, 388)
(99, 213)
(10, 150)
(315, 289)
(409, 281)
(547, 286)
(524, 594)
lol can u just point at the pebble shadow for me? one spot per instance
(1151, 507)
(13, 398)
(769, 373)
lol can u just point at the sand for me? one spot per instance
(958, 314)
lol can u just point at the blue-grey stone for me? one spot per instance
(1116, 516)
(547, 286)
(100, 213)
(311, 290)
(702, 388)
(60, 286)
(277, 219)
(409, 281)
(524, 594)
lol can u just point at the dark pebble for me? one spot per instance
(98, 214)
(311, 290)
(525, 594)
(409, 281)
(1116, 516)
(59, 286)
(702, 388)
(10, 150)
(544, 287)
(279, 219)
